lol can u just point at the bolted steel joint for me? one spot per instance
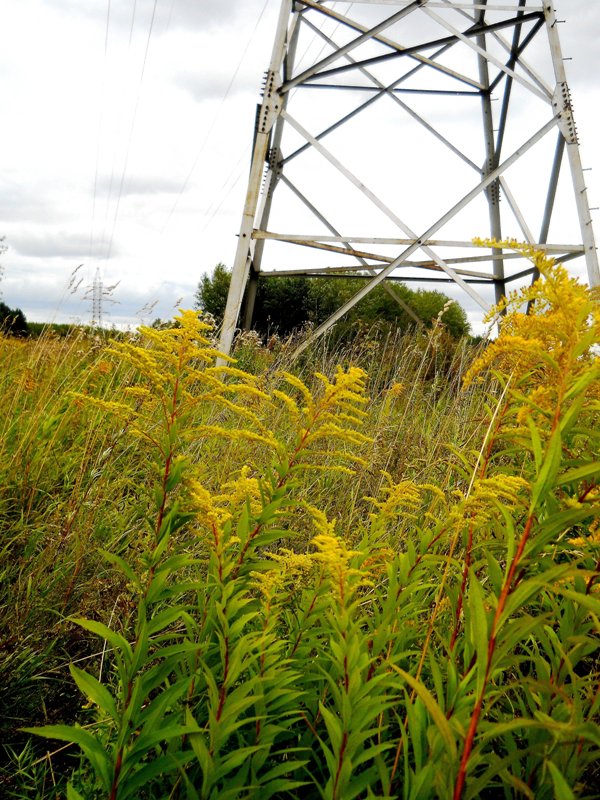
(563, 110)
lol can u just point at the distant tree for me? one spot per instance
(427, 305)
(12, 321)
(211, 294)
(285, 304)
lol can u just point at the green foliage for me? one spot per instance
(293, 622)
(62, 329)
(286, 304)
(12, 321)
(211, 295)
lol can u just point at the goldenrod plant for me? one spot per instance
(305, 614)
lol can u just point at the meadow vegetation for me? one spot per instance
(372, 572)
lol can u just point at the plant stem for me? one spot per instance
(504, 594)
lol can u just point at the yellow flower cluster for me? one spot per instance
(557, 335)
(335, 557)
(396, 390)
(215, 510)
(331, 417)
(289, 569)
(243, 489)
(401, 499)
(592, 538)
(202, 503)
(510, 491)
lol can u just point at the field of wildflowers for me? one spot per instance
(374, 573)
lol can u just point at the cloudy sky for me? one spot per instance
(126, 138)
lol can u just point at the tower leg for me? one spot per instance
(268, 112)
(562, 103)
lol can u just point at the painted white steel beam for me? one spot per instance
(424, 60)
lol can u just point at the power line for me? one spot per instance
(168, 25)
(239, 174)
(119, 126)
(215, 118)
(132, 21)
(100, 120)
(242, 158)
(131, 129)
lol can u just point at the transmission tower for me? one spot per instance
(99, 294)
(96, 293)
(391, 134)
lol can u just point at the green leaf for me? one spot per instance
(493, 730)
(579, 473)
(573, 413)
(589, 376)
(163, 619)
(433, 708)
(72, 793)
(159, 497)
(94, 691)
(123, 566)
(334, 728)
(547, 474)
(234, 760)
(591, 602)
(157, 768)
(164, 731)
(91, 747)
(117, 641)
(536, 442)
(165, 699)
(562, 790)
(202, 755)
(479, 627)
(280, 787)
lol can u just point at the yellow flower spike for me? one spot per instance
(269, 582)
(481, 504)
(114, 407)
(335, 556)
(289, 569)
(202, 503)
(555, 340)
(401, 498)
(239, 434)
(347, 386)
(293, 563)
(236, 493)
(289, 403)
(302, 388)
(138, 391)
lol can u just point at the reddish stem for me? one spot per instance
(463, 588)
(504, 594)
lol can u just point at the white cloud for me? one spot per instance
(53, 244)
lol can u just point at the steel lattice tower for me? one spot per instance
(409, 128)
(97, 296)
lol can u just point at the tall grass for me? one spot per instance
(285, 584)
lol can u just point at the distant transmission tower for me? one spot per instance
(97, 297)
(99, 294)
(392, 133)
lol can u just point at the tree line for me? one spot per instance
(284, 304)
